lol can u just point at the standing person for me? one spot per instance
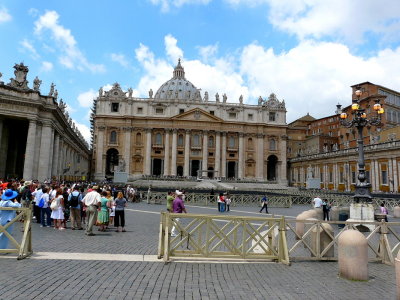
(317, 202)
(75, 201)
(326, 208)
(83, 207)
(264, 204)
(177, 207)
(57, 212)
(103, 216)
(36, 209)
(384, 211)
(26, 194)
(65, 194)
(92, 203)
(8, 199)
(220, 202)
(120, 204)
(170, 200)
(111, 209)
(228, 201)
(45, 210)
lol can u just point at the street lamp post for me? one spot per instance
(359, 120)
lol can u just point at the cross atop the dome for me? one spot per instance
(179, 72)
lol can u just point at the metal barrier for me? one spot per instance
(223, 237)
(24, 248)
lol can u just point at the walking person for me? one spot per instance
(170, 200)
(120, 204)
(66, 192)
(92, 203)
(228, 201)
(57, 209)
(264, 204)
(75, 203)
(45, 210)
(177, 207)
(325, 209)
(36, 209)
(8, 199)
(384, 211)
(103, 216)
(221, 203)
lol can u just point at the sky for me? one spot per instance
(307, 52)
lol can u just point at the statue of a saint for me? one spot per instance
(55, 94)
(51, 89)
(62, 105)
(206, 96)
(101, 92)
(130, 92)
(241, 99)
(309, 172)
(260, 100)
(121, 165)
(151, 93)
(224, 98)
(36, 84)
(217, 97)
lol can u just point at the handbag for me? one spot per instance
(54, 205)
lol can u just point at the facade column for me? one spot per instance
(376, 177)
(223, 156)
(29, 150)
(187, 152)
(43, 171)
(50, 158)
(283, 176)
(1, 129)
(395, 176)
(260, 156)
(99, 174)
(217, 166)
(127, 149)
(204, 164)
(174, 151)
(56, 153)
(61, 158)
(166, 153)
(241, 155)
(147, 163)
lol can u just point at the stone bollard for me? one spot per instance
(353, 255)
(319, 212)
(397, 266)
(334, 213)
(308, 214)
(324, 240)
(396, 211)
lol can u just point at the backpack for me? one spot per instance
(41, 202)
(74, 200)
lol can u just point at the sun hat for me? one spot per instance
(26, 183)
(178, 193)
(9, 194)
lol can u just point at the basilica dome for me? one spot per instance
(178, 87)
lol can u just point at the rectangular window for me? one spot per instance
(272, 116)
(159, 111)
(157, 152)
(140, 110)
(250, 117)
(114, 107)
(210, 153)
(181, 111)
(180, 152)
(231, 154)
(384, 177)
(330, 177)
(341, 177)
(232, 115)
(211, 112)
(321, 175)
(353, 177)
(367, 176)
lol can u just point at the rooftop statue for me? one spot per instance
(217, 97)
(206, 96)
(241, 99)
(101, 92)
(260, 100)
(20, 73)
(51, 89)
(36, 84)
(151, 93)
(55, 96)
(224, 98)
(130, 92)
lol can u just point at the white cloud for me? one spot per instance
(70, 55)
(208, 53)
(85, 99)
(166, 4)
(121, 59)
(173, 51)
(27, 45)
(4, 15)
(85, 131)
(46, 66)
(70, 109)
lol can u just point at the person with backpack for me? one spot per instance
(45, 210)
(264, 204)
(75, 202)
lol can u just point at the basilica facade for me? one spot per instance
(180, 132)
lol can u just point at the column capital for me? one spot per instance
(127, 129)
(260, 135)
(224, 133)
(206, 132)
(101, 127)
(148, 130)
(168, 130)
(188, 131)
(241, 134)
(174, 130)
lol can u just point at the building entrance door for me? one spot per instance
(195, 167)
(231, 169)
(157, 166)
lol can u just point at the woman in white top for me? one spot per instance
(58, 210)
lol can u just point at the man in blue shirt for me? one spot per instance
(264, 202)
(75, 201)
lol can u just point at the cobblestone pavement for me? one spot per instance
(37, 278)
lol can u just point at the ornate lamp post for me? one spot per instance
(359, 120)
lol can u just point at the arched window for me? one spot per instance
(231, 142)
(211, 142)
(272, 144)
(138, 138)
(158, 139)
(196, 140)
(250, 143)
(180, 140)
(113, 137)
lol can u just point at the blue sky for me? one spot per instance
(307, 52)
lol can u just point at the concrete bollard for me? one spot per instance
(303, 216)
(324, 240)
(353, 255)
(396, 211)
(397, 266)
(334, 213)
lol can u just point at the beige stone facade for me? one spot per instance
(180, 132)
(38, 140)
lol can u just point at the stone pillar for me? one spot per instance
(241, 155)
(166, 153)
(56, 153)
(397, 268)
(187, 152)
(51, 157)
(147, 163)
(204, 165)
(29, 150)
(217, 166)
(127, 149)
(99, 174)
(283, 177)
(260, 156)
(395, 176)
(223, 156)
(174, 151)
(60, 157)
(376, 176)
(43, 171)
